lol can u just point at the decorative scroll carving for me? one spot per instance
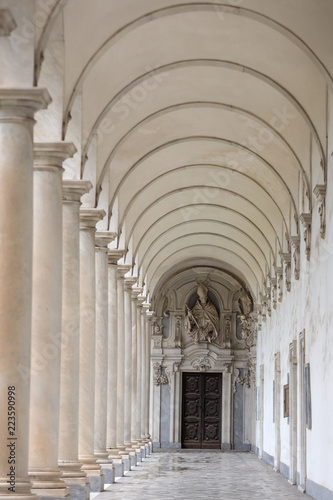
(157, 325)
(246, 380)
(286, 257)
(320, 193)
(268, 300)
(227, 330)
(158, 377)
(178, 331)
(202, 322)
(306, 221)
(202, 363)
(279, 283)
(273, 292)
(249, 332)
(294, 240)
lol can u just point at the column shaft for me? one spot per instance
(134, 435)
(46, 320)
(111, 436)
(17, 108)
(102, 239)
(89, 217)
(121, 271)
(69, 464)
(129, 282)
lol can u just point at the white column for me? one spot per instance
(145, 391)
(140, 301)
(134, 408)
(88, 219)
(46, 320)
(68, 462)
(148, 376)
(102, 239)
(111, 435)
(17, 108)
(121, 271)
(129, 282)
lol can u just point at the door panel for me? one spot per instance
(201, 421)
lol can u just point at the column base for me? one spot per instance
(76, 480)
(94, 472)
(46, 483)
(22, 490)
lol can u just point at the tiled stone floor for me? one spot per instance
(194, 475)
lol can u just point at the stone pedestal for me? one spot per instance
(102, 239)
(17, 108)
(75, 478)
(88, 219)
(46, 320)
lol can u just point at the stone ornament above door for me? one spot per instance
(202, 322)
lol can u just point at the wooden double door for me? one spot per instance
(202, 410)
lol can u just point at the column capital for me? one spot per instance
(90, 216)
(129, 282)
(7, 22)
(122, 269)
(72, 190)
(22, 103)
(141, 300)
(103, 238)
(52, 154)
(136, 292)
(114, 254)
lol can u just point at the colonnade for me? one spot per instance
(74, 338)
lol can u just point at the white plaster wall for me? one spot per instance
(309, 307)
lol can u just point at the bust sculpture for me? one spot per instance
(202, 322)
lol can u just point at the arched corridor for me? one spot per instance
(166, 241)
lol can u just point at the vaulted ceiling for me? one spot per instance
(202, 125)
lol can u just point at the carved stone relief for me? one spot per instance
(158, 377)
(320, 193)
(306, 221)
(202, 322)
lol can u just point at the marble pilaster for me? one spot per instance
(46, 320)
(147, 379)
(17, 109)
(88, 219)
(68, 461)
(102, 239)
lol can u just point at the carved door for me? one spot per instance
(201, 416)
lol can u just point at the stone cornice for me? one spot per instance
(129, 282)
(72, 190)
(103, 238)
(90, 216)
(52, 154)
(114, 254)
(122, 269)
(22, 103)
(7, 22)
(136, 291)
